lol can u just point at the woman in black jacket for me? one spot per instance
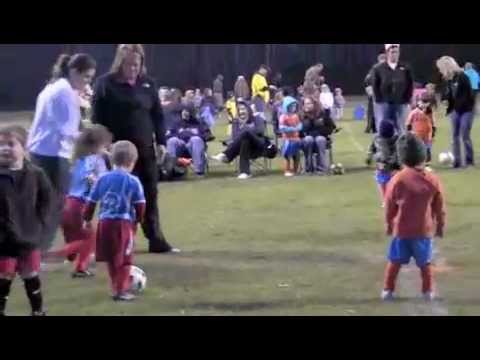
(126, 102)
(318, 126)
(461, 108)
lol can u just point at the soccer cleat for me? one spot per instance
(39, 313)
(175, 251)
(289, 174)
(429, 296)
(125, 297)
(387, 295)
(244, 176)
(220, 158)
(82, 274)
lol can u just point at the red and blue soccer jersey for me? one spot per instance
(82, 169)
(119, 193)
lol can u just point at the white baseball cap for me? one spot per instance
(389, 46)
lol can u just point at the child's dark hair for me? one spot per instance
(65, 63)
(124, 153)
(16, 131)
(90, 141)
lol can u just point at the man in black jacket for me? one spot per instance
(392, 89)
(369, 90)
(126, 102)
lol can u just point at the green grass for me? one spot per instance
(276, 246)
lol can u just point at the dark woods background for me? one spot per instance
(24, 69)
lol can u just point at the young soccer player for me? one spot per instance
(122, 207)
(421, 123)
(290, 127)
(414, 213)
(25, 204)
(89, 165)
(384, 151)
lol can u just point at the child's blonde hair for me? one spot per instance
(124, 153)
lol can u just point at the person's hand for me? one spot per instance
(439, 233)
(389, 230)
(380, 166)
(87, 225)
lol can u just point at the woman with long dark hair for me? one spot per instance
(126, 102)
(56, 126)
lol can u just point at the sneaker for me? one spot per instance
(244, 176)
(429, 296)
(126, 297)
(39, 313)
(387, 295)
(82, 274)
(289, 174)
(175, 251)
(220, 158)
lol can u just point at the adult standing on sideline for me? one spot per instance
(126, 102)
(260, 89)
(218, 93)
(392, 89)
(241, 89)
(473, 76)
(369, 90)
(56, 126)
(461, 107)
(313, 80)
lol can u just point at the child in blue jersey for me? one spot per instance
(88, 165)
(122, 207)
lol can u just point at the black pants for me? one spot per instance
(147, 171)
(248, 146)
(58, 171)
(370, 117)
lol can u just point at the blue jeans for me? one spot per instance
(397, 113)
(461, 129)
(194, 148)
(311, 146)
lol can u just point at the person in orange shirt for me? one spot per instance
(415, 212)
(421, 123)
(290, 127)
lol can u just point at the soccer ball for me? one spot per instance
(138, 280)
(337, 169)
(446, 158)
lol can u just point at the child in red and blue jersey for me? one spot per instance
(89, 164)
(122, 207)
(290, 126)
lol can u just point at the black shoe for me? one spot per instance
(82, 274)
(168, 250)
(39, 313)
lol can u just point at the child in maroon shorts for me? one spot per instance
(25, 203)
(88, 165)
(122, 206)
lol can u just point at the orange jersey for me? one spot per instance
(293, 121)
(422, 125)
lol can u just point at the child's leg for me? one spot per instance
(288, 167)
(8, 268)
(427, 278)
(29, 269)
(86, 250)
(391, 274)
(382, 189)
(296, 163)
(423, 253)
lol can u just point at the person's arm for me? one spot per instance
(99, 104)
(92, 201)
(67, 115)
(138, 200)
(44, 196)
(408, 122)
(259, 126)
(439, 211)
(377, 83)
(157, 117)
(410, 84)
(391, 206)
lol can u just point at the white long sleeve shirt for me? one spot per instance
(326, 99)
(57, 121)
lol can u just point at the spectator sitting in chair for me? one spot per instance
(248, 140)
(317, 130)
(188, 140)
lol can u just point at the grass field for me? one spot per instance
(277, 246)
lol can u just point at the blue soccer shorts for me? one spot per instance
(402, 250)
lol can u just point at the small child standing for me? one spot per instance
(89, 164)
(122, 207)
(25, 204)
(383, 151)
(421, 123)
(415, 213)
(338, 105)
(290, 127)
(326, 98)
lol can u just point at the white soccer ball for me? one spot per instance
(138, 280)
(446, 158)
